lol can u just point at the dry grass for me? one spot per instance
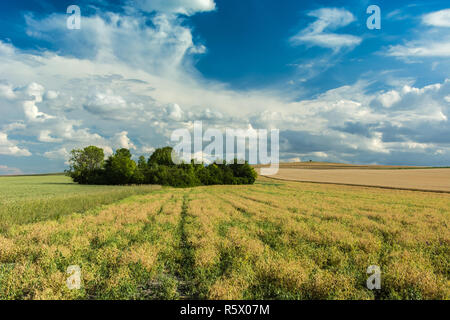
(117, 248)
(272, 240)
(300, 241)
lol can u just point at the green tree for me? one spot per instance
(243, 173)
(139, 176)
(162, 157)
(86, 165)
(214, 175)
(142, 163)
(120, 168)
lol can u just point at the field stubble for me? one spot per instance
(429, 179)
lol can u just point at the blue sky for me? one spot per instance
(137, 70)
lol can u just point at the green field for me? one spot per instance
(270, 240)
(35, 198)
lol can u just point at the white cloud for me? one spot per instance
(32, 112)
(389, 98)
(14, 126)
(35, 92)
(44, 136)
(69, 135)
(5, 170)
(438, 18)
(376, 143)
(121, 140)
(134, 78)
(410, 105)
(328, 19)
(174, 112)
(147, 150)
(431, 43)
(51, 95)
(421, 49)
(82, 137)
(9, 148)
(160, 47)
(107, 105)
(6, 49)
(187, 7)
(398, 14)
(6, 91)
(57, 154)
(320, 154)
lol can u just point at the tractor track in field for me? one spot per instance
(186, 262)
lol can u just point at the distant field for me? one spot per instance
(415, 178)
(271, 240)
(331, 165)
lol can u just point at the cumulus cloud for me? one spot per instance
(57, 154)
(44, 136)
(9, 148)
(121, 140)
(51, 95)
(69, 135)
(389, 98)
(318, 33)
(134, 82)
(34, 91)
(69, 131)
(32, 112)
(174, 112)
(106, 105)
(347, 126)
(187, 7)
(6, 91)
(343, 123)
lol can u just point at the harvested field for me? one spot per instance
(432, 179)
(331, 165)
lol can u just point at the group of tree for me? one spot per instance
(88, 166)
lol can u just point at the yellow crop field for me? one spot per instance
(270, 240)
